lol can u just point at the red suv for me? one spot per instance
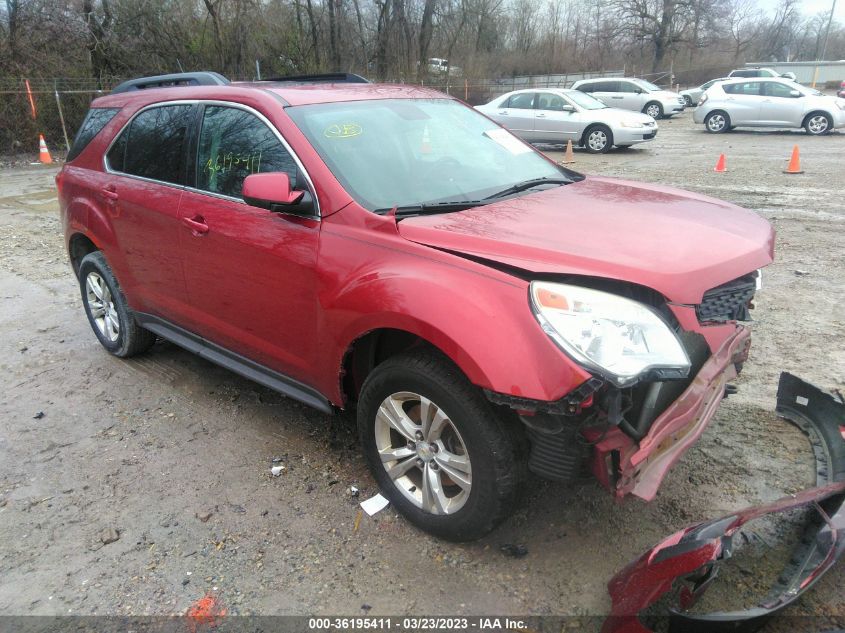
(388, 248)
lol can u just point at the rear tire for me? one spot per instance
(598, 139)
(457, 467)
(107, 310)
(717, 122)
(688, 101)
(818, 123)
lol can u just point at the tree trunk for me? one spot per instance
(315, 42)
(12, 8)
(214, 14)
(426, 30)
(96, 33)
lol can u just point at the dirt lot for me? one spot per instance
(173, 454)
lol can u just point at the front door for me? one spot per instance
(250, 272)
(779, 107)
(552, 123)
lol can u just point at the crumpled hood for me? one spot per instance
(678, 243)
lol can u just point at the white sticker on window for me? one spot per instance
(508, 141)
(801, 400)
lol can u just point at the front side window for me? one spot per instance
(585, 101)
(521, 101)
(403, 152)
(625, 86)
(153, 144)
(777, 89)
(233, 144)
(548, 101)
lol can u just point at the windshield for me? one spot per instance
(404, 152)
(642, 83)
(583, 100)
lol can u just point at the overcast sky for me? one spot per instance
(810, 7)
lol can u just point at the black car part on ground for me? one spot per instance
(695, 554)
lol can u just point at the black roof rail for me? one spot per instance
(325, 78)
(175, 79)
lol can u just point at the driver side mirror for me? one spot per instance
(794, 93)
(272, 191)
(568, 108)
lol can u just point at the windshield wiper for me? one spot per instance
(433, 208)
(529, 184)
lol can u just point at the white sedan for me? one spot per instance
(557, 116)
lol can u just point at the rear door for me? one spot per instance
(250, 272)
(608, 93)
(551, 123)
(147, 168)
(779, 108)
(517, 114)
(744, 102)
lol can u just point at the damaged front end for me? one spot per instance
(675, 575)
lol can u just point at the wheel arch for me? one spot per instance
(818, 111)
(79, 245)
(593, 125)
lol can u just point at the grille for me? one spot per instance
(728, 302)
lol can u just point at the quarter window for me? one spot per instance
(95, 120)
(233, 144)
(152, 146)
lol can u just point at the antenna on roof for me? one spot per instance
(172, 80)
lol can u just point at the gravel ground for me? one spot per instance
(136, 487)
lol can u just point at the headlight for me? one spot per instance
(618, 338)
(631, 123)
(702, 98)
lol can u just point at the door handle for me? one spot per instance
(541, 114)
(616, 97)
(505, 112)
(109, 194)
(196, 224)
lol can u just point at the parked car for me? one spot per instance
(557, 116)
(633, 94)
(692, 95)
(391, 250)
(768, 103)
(841, 91)
(756, 71)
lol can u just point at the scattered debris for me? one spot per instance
(278, 460)
(38, 415)
(374, 504)
(517, 551)
(354, 491)
(802, 273)
(365, 607)
(109, 535)
(277, 470)
(204, 516)
(358, 518)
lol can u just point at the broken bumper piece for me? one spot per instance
(685, 564)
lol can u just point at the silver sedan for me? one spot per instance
(558, 115)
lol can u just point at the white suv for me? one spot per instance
(759, 72)
(633, 94)
(768, 103)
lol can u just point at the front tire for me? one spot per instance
(598, 139)
(654, 110)
(717, 122)
(818, 123)
(107, 310)
(436, 447)
(688, 101)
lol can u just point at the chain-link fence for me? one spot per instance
(59, 106)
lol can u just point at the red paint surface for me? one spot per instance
(206, 613)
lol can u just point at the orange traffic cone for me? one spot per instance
(568, 156)
(794, 166)
(720, 165)
(43, 152)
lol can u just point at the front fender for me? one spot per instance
(480, 318)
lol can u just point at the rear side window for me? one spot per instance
(522, 101)
(233, 144)
(745, 88)
(94, 121)
(606, 86)
(153, 145)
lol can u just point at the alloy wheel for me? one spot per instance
(653, 111)
(818, 124)
(716, 123)
(423, 453)
(101, 305)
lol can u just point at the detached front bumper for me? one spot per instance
(627, 467)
